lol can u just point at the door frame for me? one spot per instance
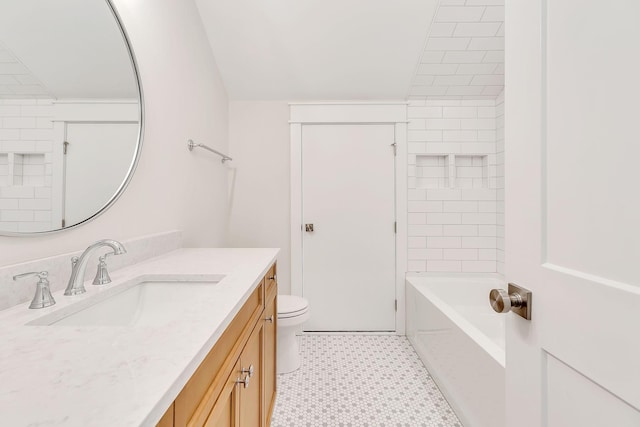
(73, 111)
(353, 113)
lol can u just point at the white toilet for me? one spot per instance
(292, 312)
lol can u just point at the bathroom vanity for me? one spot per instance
(204, 356)
(235, 385)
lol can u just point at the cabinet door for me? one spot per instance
(167, 418)
(225, 412)
(269, 368)
(251, 393)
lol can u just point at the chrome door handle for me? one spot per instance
(269, 319)
(516, 299)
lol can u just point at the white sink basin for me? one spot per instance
(140, 303)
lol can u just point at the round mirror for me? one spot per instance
(70, 113)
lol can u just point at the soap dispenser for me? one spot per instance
(43, 297)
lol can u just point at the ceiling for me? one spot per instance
(62, 49)
(317, 49)
(358, 49)
(16, 80)
(463, 56)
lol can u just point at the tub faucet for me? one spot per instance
(76, 285)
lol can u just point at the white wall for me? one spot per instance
(185, 98)
(452, 206)
(259, 203)
(500, 183)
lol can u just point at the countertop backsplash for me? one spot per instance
(59, 266)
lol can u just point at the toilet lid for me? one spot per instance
(291, 306)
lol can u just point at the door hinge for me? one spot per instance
(396, 306)
(395, 148)
(395, 227)
(64, 223)
(65, 146)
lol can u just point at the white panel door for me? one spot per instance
(573, 212)
(98, 158)
(348, 184)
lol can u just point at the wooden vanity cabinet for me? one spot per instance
(216, 395)
(270, 348)
(251, 406)
(226, 412)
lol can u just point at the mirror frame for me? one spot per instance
(138, 150)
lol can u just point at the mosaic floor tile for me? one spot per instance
(358, 381)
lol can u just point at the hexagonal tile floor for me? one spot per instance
(360, 380)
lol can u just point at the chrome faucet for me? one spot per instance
(76, 281)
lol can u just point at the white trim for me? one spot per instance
(351, 103)
(57, 181)
(296, 209)
(348, 113)
(401, 221)
(351, 123)
(393, 113)
(96, 101)
(99, 111)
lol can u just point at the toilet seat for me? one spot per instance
(291, 306)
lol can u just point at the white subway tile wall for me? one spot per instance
(463, 57)
(456, 176)
(26, 146)
(500, 183)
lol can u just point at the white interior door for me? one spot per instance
(573, 211)
(97, 160)
(348, 189)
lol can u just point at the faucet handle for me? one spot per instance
(41, 274)
(102, 274)
(43, 297)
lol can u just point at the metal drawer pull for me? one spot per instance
(248, 371)
(245, 381)
(269, 319)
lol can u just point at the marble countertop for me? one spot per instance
(116, 375)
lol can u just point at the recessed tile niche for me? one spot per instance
(452, 171)
(22, 169)
(432, 171)
(472, 171)
(4, 169)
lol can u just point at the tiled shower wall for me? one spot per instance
(453, 182)
(500, 183)
(26, 146)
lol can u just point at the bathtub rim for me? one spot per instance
(491, 347)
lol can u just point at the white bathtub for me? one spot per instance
(460, 339)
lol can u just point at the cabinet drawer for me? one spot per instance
(271, 279)
(197, 398)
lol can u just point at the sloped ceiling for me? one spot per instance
(62, 49)
(317, 49)
(464, 53)
(357, 49)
